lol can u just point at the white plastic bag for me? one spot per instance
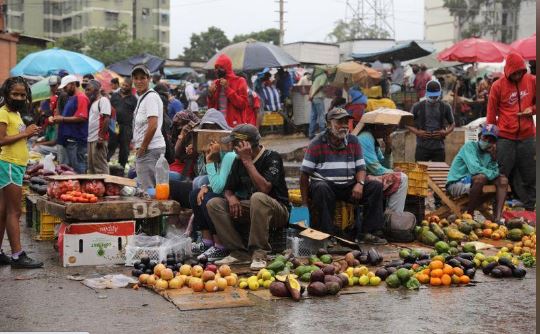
(48, 162)
(109, 282)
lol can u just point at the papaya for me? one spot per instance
(473, 236)
(465, 228)
(429, 238)
(276, 266)
(437, 230)
(528, 229)
(294, 288)
(469, 248)
(441, 246)
(454, 234)
(515, 234)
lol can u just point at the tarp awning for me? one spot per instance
(402, 52)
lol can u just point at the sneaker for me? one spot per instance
(4, 259)
(369, 238)
(214, 254)
(198, 248)
(24, 262)
(257, 264)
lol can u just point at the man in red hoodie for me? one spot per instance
(511, 106)
(228, 93)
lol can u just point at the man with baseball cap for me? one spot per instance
(333, 170)
(99, 117)
(73, 124)
(474, 166)
(256, 192)
(433, 121)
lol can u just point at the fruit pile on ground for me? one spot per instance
(402, 277)
(504, 266)
(327, 281)
(445, 274)
(174, 275)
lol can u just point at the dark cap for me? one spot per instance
(433, 89)
(140, 68)
(245, 132)
(337, 113)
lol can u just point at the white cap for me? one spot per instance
(67, 80)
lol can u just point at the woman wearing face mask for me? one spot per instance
(474, 166)
(228, 93)
(433, 121)
(13, 159)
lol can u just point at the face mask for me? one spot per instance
(92, 97)
(17, 105)
(221, 73)
(126, 91)
(432, 99)
(484, 145)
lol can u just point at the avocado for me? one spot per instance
(332, 288)
(306, 277)
(391, 270)
(363, 259)
(142, 267)
(317, 289)
(382, 273)
(329, 270)
(149, 271)
(468, 256)
(136, 272)
(145, 260)
(506, 271)
(519, 272)
(454, 263)
(278, 289)
(136, 264)
(151, 264)
(497, 273)
(404, 253)
(453, 251)
(317, 276)
(470, 272)
(487, 269)
(453, 243)
(314, 259)
(504, 261)
(465, 263)
(469, 248)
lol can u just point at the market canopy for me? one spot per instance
(431, 61)
(384, 116)
(124, 67)
(50, 61)
(355, 73)
(179, 73)
(475, 50)
(526, 47)
(401, 52)
(251, 55)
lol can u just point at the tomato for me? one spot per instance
(83, 200)
(92, 199)
(63, 197)
(77, 193)
(69, 198)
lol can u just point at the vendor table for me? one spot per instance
(109, 209)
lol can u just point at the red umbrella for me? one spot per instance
(475, 50)
(526, 47)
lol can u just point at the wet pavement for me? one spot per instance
(46, 300)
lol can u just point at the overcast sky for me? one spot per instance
(306, 20)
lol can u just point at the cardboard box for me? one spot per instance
(204, 137)
(90, 244)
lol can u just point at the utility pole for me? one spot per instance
(134, 21)
(281, 22)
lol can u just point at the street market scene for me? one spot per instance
(267, 166)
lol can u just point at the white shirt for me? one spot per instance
(99, 108)
(150, 106)
(192, 97)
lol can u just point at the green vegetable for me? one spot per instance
(442, 247)
(393, 281)
(403, 275)
(528, 260)
(412, 284)
(469, 248)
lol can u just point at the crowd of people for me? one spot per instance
(239, 193)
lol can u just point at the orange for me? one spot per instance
(435, 281)
(448, 270)
(458, 271)
(436, 265)
(423, 278)
(426, 271)
(464, 279)
(487, 232)
(446, 280)
(436, 273)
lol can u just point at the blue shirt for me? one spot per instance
(376, 162)
(76, 105)
(174, 106)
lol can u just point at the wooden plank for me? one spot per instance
(446, 200)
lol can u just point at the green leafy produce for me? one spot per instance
(412, 284)
(528, 260)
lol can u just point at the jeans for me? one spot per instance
(317, 117)
(175, 176)
(121, 141)
(325, 194)
(76, 156)
(517, 161)
(425, 154)
(201, 218)
(200, 180)
(146, 168)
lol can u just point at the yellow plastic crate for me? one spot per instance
(418, 177)
(46, 226)
(344, 215)
(272, 119)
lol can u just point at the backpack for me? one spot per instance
(399, 227)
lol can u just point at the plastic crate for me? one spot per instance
(30, 206)
(47, 227)
(278, 239)
(343, 215)
(303, 246)
(417, 206)
(272, 119)
(418, 177)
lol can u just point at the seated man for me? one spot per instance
(473, 167)
(255, 191)
(335, 164)
(379, 165)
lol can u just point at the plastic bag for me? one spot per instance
(109, 282)
(157, 248)
(48, 162)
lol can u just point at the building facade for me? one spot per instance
(495, 21)
(145, 19)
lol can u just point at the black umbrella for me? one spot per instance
(124, 67)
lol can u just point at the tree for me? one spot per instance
(70, 43)
(269, 36)
(206, 44)
(24, 50)
(114, 44)
(356, 29)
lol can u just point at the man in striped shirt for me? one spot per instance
(336, 167)
(270, 93)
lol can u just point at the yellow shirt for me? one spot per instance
(16, 153)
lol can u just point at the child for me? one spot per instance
(17, 97)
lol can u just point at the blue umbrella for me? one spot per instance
(51, 60)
